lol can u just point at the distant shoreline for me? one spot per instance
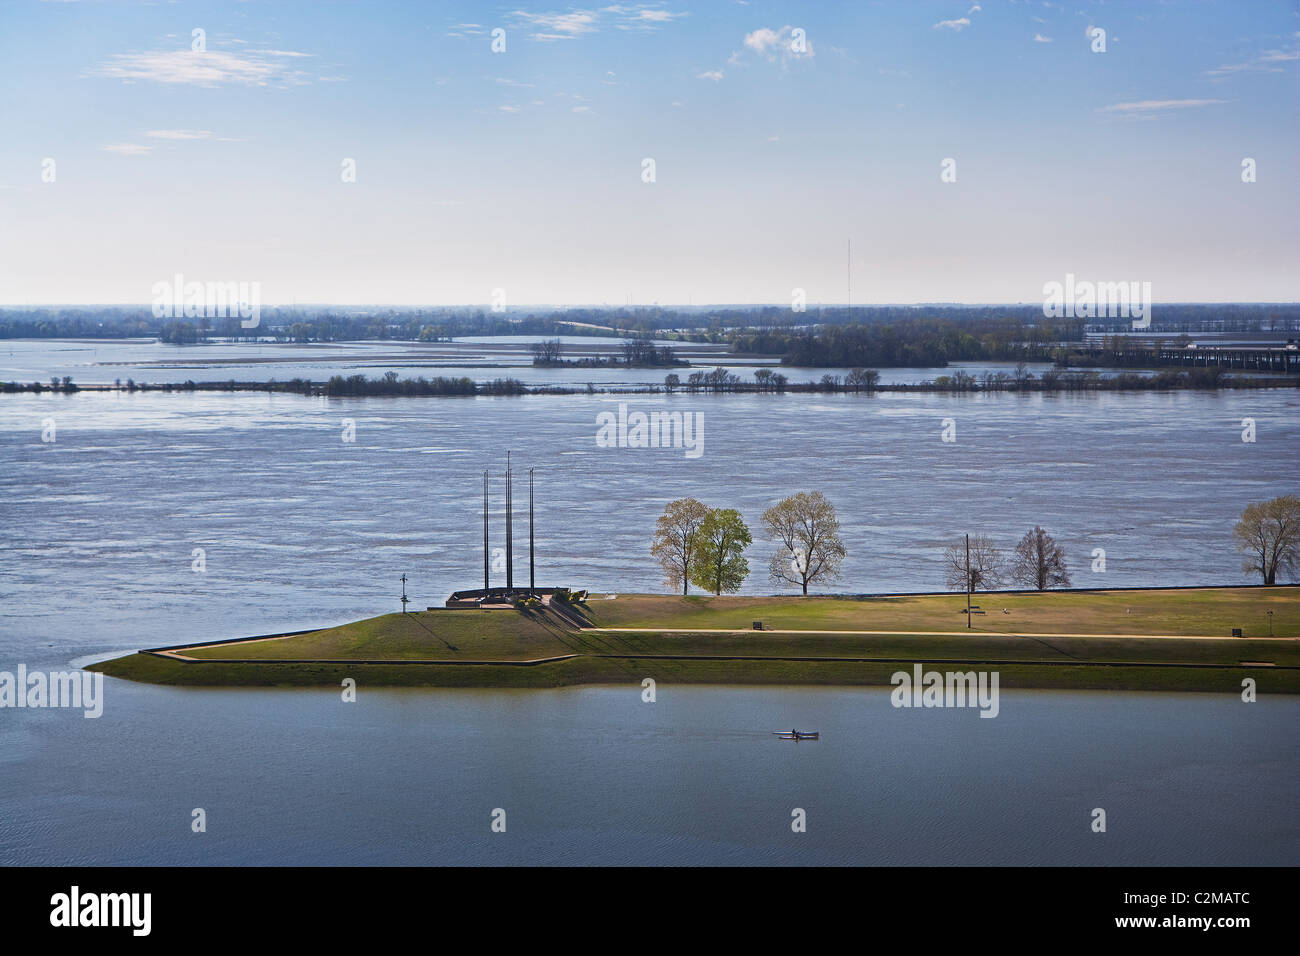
(442, 387)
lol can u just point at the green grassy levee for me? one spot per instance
(472, 648)
(1209, 612)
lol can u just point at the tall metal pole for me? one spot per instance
(968, 581)
(532, 581)
(510, 554)
(486, 584)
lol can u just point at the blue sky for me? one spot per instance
(522, 170)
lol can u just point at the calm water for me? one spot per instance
(594, 775)
(301, 528)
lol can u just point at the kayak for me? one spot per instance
(797, 735)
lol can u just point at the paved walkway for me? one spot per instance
(964, 633)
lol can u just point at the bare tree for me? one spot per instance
(547, 352)
(985, 571)
(677, 540)
(1269, 535)
(808, 531)
(861, 379)
(1039, 562)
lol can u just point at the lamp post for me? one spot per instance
(404, 597)
(968, 582)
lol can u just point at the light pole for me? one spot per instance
(968, 582)
(404, 597)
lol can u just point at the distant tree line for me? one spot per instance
(911, 342)
(952, 332)
(390, 384)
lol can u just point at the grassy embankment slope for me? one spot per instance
(1049, 639)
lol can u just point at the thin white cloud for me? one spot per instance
(956, 25)
(1266, 62)
(127, 149)
(641, 16)
(1150, 106)
(558, 26)
(180, 133)
(209, 68)
(778, 44)
(714, 75)
(576, 24)
(1039, 38)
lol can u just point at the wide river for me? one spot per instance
(299, 527)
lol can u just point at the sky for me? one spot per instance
(795, 146)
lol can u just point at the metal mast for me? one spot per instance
(510, 554)
(532, 582)
(486, 585)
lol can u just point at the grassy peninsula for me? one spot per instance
(1123, 640)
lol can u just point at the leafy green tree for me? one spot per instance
(719, 564)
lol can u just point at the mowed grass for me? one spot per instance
(1209, 612)
(427, 635)
(487, 648)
